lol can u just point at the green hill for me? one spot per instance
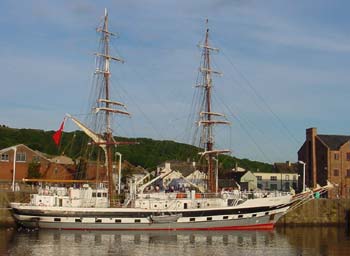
(148, 153)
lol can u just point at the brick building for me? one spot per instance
(327, 157)
(56, 168)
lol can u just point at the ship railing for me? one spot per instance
(224, 195)
(252, 194)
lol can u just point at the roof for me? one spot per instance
(185, 167)
(234, 175)
(4, 150)
(286, 167)
(334, 142)
(62, 160)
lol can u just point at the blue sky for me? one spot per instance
(285, 64)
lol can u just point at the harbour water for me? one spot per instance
(281, 241)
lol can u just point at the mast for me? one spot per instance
(206, 115)
(104, 103)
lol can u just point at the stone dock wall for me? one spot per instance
(5, 199)
(318, 212)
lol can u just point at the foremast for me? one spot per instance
(105, 104)
(206, 115)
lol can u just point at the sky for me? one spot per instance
(285, 67)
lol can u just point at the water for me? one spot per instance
(281, 241)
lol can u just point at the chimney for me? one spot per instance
(311, 175)
(311, 133)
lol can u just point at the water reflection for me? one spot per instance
(286, 241)
(318, 241)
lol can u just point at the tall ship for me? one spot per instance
(98, 206)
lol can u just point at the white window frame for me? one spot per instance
(19, 157)
(5, 157)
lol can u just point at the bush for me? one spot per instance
(34, 170)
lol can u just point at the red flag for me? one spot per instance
(57, 135)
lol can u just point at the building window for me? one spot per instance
(273, 178)
(286, 186)
(348, 156)
(273, 186)
(335, 172)
(336, 156)
(4, 157)
(287, 177)
(21, 157)
(259, 177)
(348, 172)
(294, 177)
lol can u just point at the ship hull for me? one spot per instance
(115, 219)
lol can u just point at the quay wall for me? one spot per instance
(318, 212)
(5, 198)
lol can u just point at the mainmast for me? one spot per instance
(104, 103)
(206, 119)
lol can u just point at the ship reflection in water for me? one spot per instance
(286, 241)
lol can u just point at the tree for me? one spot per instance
(34, 170)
